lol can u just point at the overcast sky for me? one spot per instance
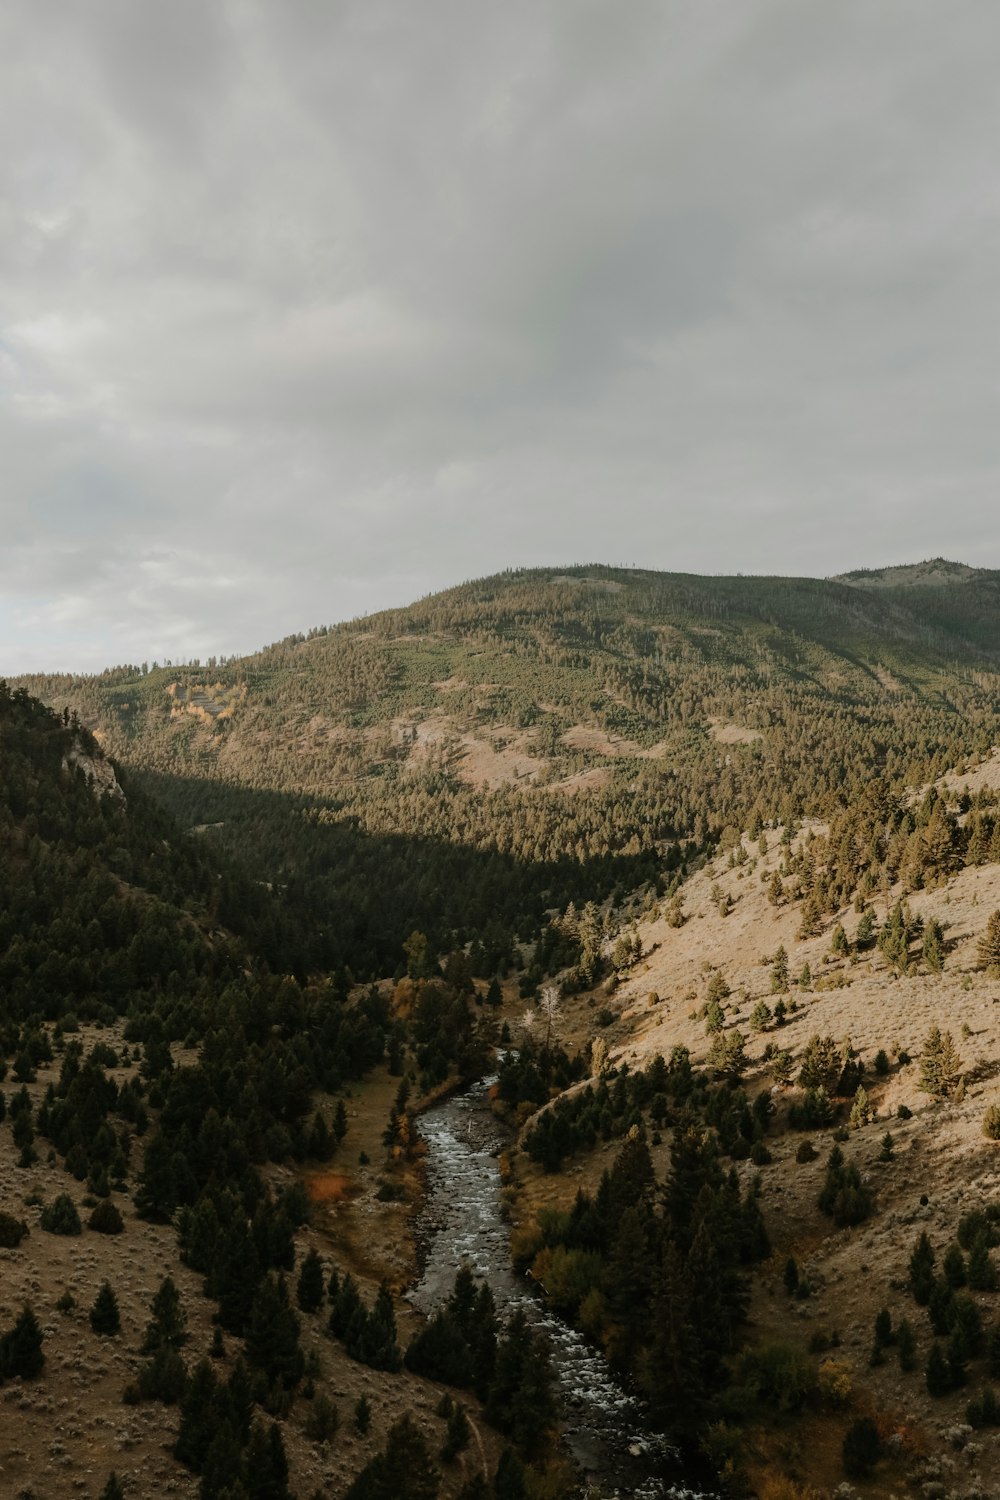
(308, 307)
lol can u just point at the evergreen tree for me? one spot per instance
(60, 1216)
(197, 1417)
(403, 1471)
(309, 1290)
(989, 943)
(922, 1270)
(21, 1348)
(940, 1064)
(510, 1480)
(167, 1326)
(862, 1448)
(266, 1464)
(222, 1464)
(953, 1266)
(105, 1317)
(272, 1337)
(982, 1274)
(934, 946)
(861, 1110)
(779, 971)
(672, 1369)
(938, 1373)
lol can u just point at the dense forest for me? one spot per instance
(181, 1068)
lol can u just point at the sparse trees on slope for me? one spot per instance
(989, 946)
(940, 1064)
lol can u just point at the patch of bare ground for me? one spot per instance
(598, 741)
(977, 778)
(732, 734)
(594, 780)
(605, 585)
(62, 1434)
(505, 757)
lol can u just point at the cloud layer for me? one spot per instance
(307, 308)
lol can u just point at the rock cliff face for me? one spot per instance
(98, 771)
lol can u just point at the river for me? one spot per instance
(603, 1424)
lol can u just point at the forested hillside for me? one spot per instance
(171, 1319)
(535, 738)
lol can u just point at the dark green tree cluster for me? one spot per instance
(508, 1368)
(404, 1469)
(660, 1274)
(534, 1073)
(368, 1335)
(954, 1315)
(219, 1440)
(163, 1376)
(844, 1196)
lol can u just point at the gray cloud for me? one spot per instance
(306, 309)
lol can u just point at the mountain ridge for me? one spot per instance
(579, 720)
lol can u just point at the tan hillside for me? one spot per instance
(942, 1166)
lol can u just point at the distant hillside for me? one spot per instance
(545, 735)
(935, 572)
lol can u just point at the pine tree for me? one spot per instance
(989, 943)
(760, 1016)
(403, 1471)
(953, 1267)
(458, 1433)
(309, 1290)
(21, 1348)
(922, 1270)
(861, 1110)
(167, 1325)
(981, 1272)
(861, 1449)
(197, 1417)
(938, 1372)
(272, 1337)
(266, 1464)
(934, 946)
(510, 1482)
(939, 1064)
(105, 1318)
(779, 971)
(895, 937)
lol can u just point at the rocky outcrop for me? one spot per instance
(99, 772)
